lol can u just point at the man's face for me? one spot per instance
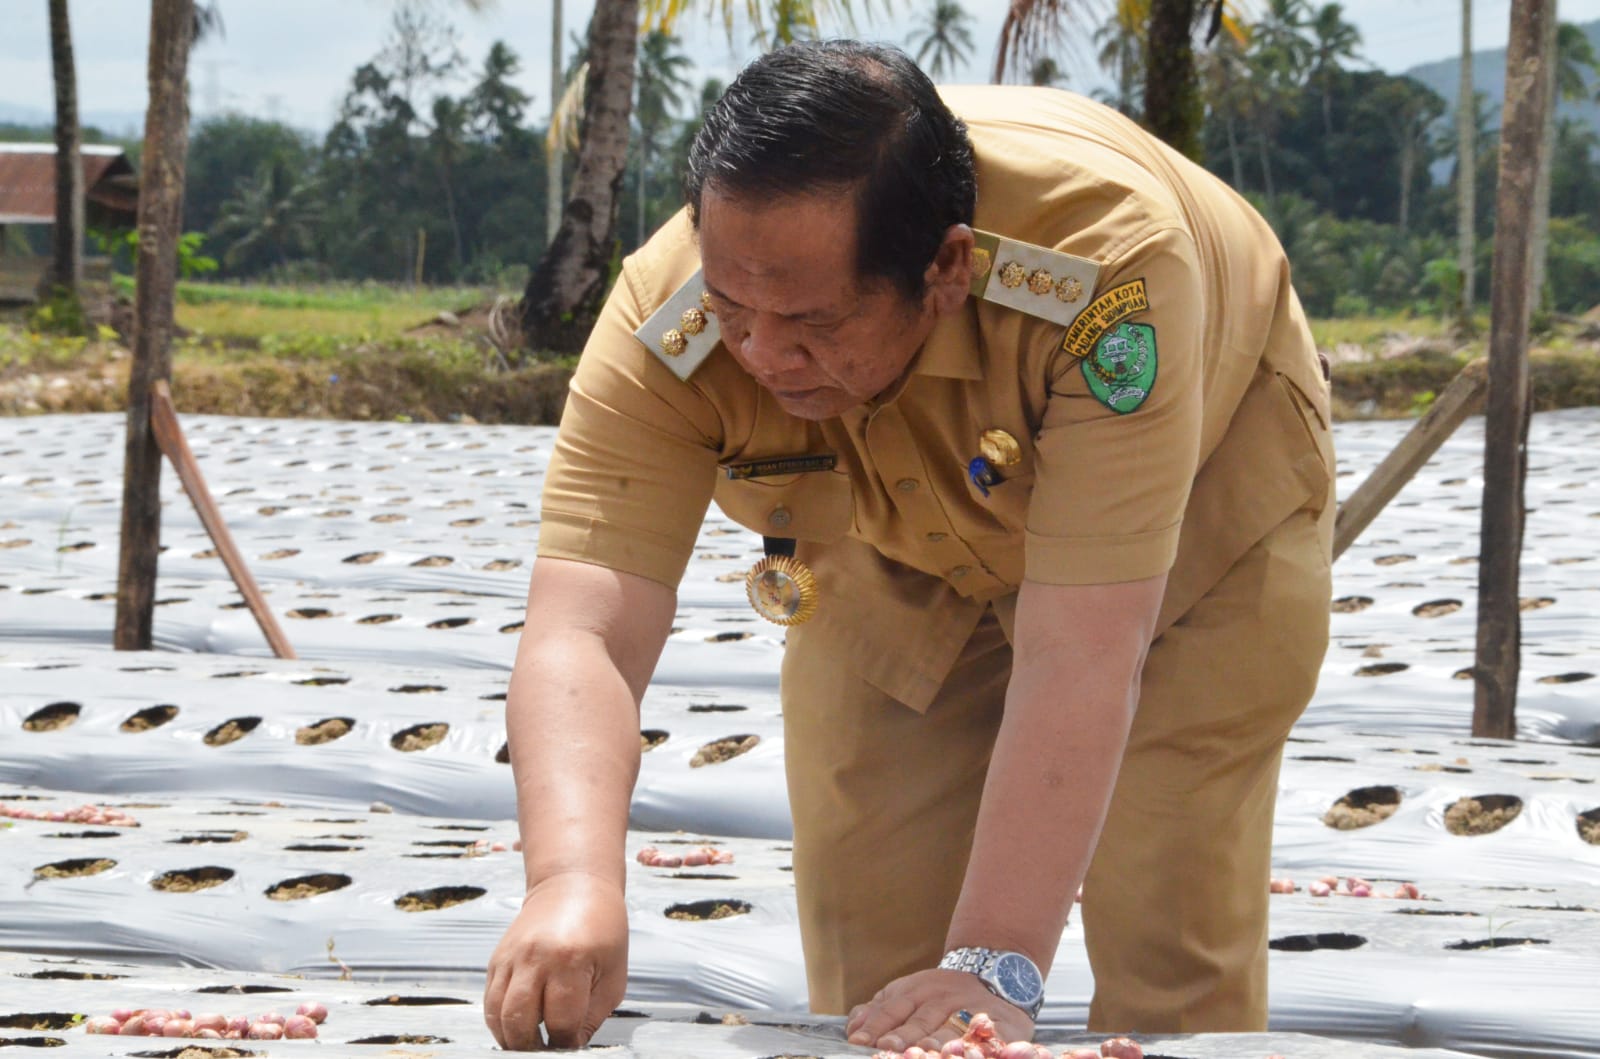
(791, 308)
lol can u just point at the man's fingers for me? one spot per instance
(515, 1020)
(566, 1007)
(924, 1025)
(881, 1017)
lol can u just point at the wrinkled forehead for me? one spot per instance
(799, 250)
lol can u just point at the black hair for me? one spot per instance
(822, 115)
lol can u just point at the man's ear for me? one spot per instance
(949, 275)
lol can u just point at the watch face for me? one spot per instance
(1018, 978)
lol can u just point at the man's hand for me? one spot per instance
(916, 1010)
(563, 963)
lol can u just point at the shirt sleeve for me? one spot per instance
(1117, 452)
(635, 456)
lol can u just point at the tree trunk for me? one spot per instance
(1547, 146)
(1505, 458)
(639, 218)
(567, 286)
(1327, 102)
(166, 142)
(1466, 171)
(553, 151)
(1266, 165)
(1408, 154)
(1233, 153)
(67, 267)
(1172, 104)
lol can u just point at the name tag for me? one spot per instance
(780, 465)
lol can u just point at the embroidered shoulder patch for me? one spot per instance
(1121, 369)
(1104, 313)
(1033, 279)
(684, 330)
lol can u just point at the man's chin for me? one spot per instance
(821, 403)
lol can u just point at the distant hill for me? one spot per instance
(1489, 78)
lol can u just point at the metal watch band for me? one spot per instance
(972, 960)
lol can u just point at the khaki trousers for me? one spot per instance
(884, 801)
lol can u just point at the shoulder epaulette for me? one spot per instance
(684, 330)
(1032, 279)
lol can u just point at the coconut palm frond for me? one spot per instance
(568, 113)
(1035, 28)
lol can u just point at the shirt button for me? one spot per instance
(780, 517)
(961, 571)
(935, 536)
(906, 485)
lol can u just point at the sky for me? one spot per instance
(292, 59)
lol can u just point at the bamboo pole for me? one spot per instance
(1458, 401)
(169, 435)
(1505, 457)
(166, 139)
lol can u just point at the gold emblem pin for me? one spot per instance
(693, 321)
(999, 448)
(1040, 281)
(981, 260)
(705, 303)
(673, 343)
(1012, 274)
(1069, 289)
(782, 590)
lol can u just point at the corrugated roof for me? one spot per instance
(28, 183)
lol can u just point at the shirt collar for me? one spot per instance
(951, 349)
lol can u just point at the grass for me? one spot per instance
(375, 351)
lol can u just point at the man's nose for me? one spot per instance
(771, 344)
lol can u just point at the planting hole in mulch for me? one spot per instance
(377, 619)
(1482, 814)
(243, 990)
(73, 976)
(402, 1038)
(32, 1042)
(1436, 608)
(1325, 757)
(307, 886)
(434, 560)
(503, 755)
(1382, 669)
(728, 637)
(210, 836)
(715, 707)
(196, 1051)
(391, 516)
(1494, 943)
(723, 749)
(1528, 603)
(699, 911)
(1344, 604)
(238, 672)
(450, 623)
(417, 689)
(438, 897)
(324, 731)
(651, 738)
(280, 553)
(1412, 911)
(1393, 560)
(322, 847)
(1362, 807)
(1566, 678)
(189, 880)
(1463, 674)
(41, 1020)
(502, 564)
(231, 731)
(701, 875)
(419, 737)
(309, 613)
(149, 717)
(515, 626)
(52, 718)
(321, 682)
(395, 1000)
(362, 558)
(1589, 826)
(1313, 942)
(73, 869)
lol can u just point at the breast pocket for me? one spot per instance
(813, 506)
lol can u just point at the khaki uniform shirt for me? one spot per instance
(1232, 438)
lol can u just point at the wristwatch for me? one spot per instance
(1010, 976)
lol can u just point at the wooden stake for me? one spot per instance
(1505, 457)
(1459, 400)
(166, 139)
(169, 435)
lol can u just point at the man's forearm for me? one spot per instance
(573, 729)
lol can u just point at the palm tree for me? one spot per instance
(272, 216)
(1409, 113)
(1225, 75)
(1046, 73)
(775, 22)
(1121, 40)
(66, 271)
(1573, 65)
(944, 40)
(1466, 174)
(658, 91)
(1332, 40)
